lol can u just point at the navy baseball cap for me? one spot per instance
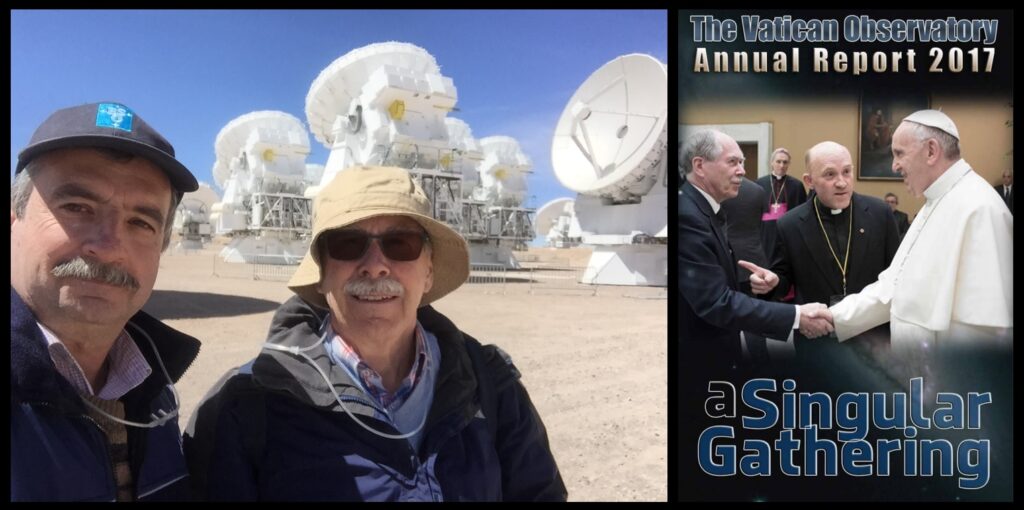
(112, 126)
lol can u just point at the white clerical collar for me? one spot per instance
(715, 206)
(832, 211)
(946, 181)
(779, 177)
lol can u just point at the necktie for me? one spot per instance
(721, 216)
(723, 221)
(723, 225)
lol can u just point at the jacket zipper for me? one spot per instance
(106, 452)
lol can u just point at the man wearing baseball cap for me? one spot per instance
(363, 392)
(93, 405)
(945, 287)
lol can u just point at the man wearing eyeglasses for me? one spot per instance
(363, 392)
(93, 405)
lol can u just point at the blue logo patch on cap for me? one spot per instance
(113, 115)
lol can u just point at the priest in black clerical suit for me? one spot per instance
(834, 244)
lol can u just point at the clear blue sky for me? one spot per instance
(188, 73)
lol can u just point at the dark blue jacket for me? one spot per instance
(712, 310)
(59, 453)
(274, 431)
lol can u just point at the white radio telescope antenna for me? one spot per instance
(504, 169)
(556, 222)
(385, 104)
(382, 104)
(611, 134)
(609, 146)
(340, 85)
(261, 168)
(460, 136)
(192, 218)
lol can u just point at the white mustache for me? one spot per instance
(83, 269)
(374, 287)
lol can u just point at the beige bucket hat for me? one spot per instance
(362, 192)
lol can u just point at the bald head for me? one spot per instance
(816, 156)
(830, 174)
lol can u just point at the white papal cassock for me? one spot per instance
(951, 280)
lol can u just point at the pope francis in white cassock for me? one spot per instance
(951, 280)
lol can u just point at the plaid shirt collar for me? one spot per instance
(342, 354)
(127, 367)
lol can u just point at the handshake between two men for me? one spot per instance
(815, 318)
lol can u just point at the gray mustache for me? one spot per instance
(83, 269)
(369, 286)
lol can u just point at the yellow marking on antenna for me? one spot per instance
(397, 109)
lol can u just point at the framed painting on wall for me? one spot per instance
(880, 113)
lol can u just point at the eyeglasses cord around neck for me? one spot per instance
(299, 351)
(161, 416)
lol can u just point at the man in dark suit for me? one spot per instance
(712, 310)
(833, 245)
(783, 193)
(1005, 189)
(902, 220)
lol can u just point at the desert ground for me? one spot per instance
(593, 358)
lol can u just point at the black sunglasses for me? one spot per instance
(350, 245)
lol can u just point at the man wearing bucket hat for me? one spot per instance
(93, 405)
(944, 287)
(363, 391)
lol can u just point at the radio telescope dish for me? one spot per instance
(385, 104)
(344, 81)
(609, 146)
(556, 222)
(196, 206)
(261, 168)
(460, 135)
(204, 195)
(467, 154)
(611, 136)
(503, 171)
(192, 218)
(267, 132)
